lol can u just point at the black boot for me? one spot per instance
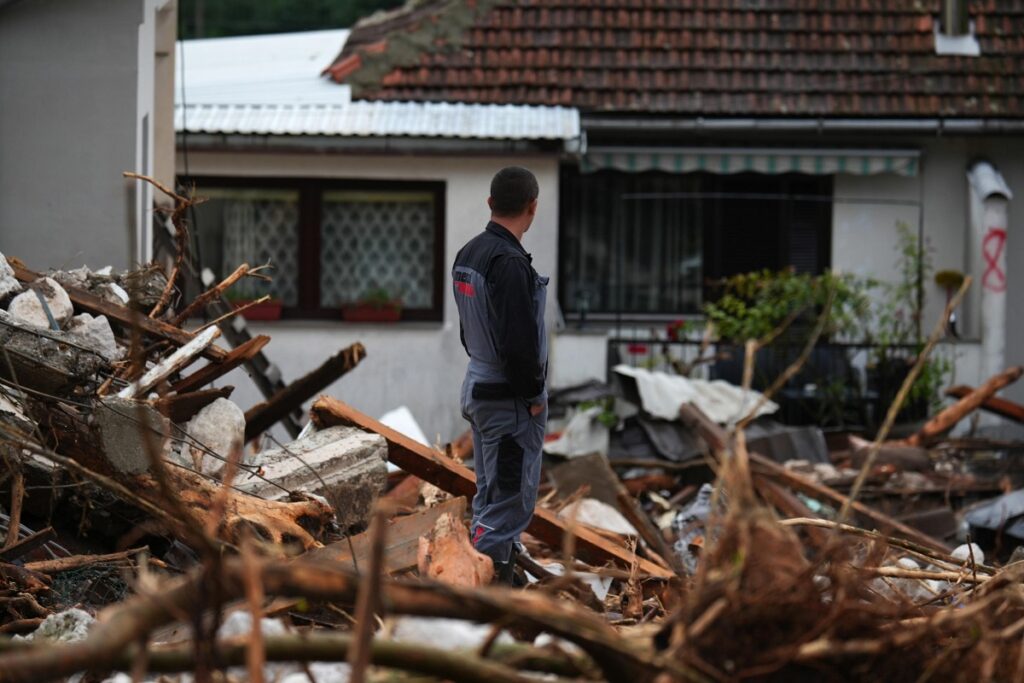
(508, 573)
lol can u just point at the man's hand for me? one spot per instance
(536, 409)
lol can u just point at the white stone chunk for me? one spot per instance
(8, 283)
(96, 333)
(27, 308)
(219, 427)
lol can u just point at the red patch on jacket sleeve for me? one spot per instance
(466, 288)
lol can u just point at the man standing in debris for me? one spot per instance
(501, 298)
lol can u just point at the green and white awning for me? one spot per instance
(902, 162)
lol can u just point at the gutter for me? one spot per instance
(937, 126)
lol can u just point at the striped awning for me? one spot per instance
(902, 162)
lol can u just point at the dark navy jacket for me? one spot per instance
(499, 296)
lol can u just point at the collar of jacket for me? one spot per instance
(505, 234)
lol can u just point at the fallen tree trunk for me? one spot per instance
(457, 666)
(947, 419)
(122, 625)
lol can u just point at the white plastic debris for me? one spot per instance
(593, 512)
(446, 634)
(599, 584)
(62, 627)
(401, 420)
(323, 672)
(27, 308)
(663, 395)
(584, 435)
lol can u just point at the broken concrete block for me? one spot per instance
(63, 627)
(13, 414)
(446, 555)
(27, 307)
(122, 424)
(8, 283)
(345, 465)
(97, 334)
(219, 427)
(46, 360)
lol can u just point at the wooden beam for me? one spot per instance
(88, 301)
(177, 361)
(212, 371)
(450, 476)
(27, 544)
(947, 419)
(262, 416)
(998, 406)
(717, 439)
(182, 407)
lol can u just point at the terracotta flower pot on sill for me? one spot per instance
(372, 313)
(268, 310)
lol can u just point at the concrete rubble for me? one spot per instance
(215, 433)
(345, 465)
(28, 307)
(665, 539)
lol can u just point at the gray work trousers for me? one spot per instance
(507, 444)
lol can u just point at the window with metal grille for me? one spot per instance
(332, 244)
(652, 245)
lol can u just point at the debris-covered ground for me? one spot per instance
(682, 533)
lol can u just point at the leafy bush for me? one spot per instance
(754, 305)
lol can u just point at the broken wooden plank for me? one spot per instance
(170, 365)
(431, 466)
(947, 418)
(27, 544)
(210, 372)
(401, 546)
(64, 564)
(995, 405)
(87, 301)
(181, 408)
(714, 435)
(262, 416)
(210, 294)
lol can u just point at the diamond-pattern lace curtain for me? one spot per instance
(377, 242)
(262, 226)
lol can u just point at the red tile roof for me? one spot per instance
(846, 58)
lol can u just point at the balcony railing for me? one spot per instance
(840, 386)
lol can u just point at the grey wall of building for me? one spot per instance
(68, 108)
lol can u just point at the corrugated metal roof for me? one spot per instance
(380, 119)
(271, 85)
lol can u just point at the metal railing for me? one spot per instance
(841, 385)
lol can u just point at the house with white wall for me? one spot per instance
(712, 139)
(70, 125)
(346, 197)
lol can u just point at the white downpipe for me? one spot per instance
(990, 197)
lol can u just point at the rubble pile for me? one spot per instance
(682, 533)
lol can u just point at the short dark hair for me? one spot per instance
(512, 190)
